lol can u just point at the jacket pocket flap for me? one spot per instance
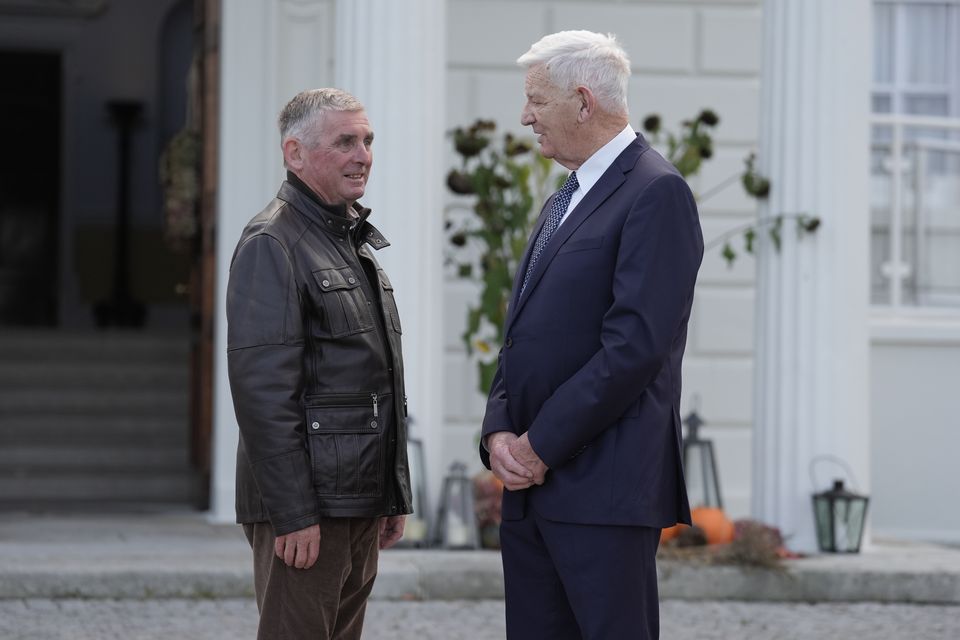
(338, 278)
(343, 419)
(581, 244)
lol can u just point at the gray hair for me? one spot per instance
(593, 60)
(299, 115)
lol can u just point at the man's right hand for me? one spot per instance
(514, 475)
(299, 549)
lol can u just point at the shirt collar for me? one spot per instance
(596, 165)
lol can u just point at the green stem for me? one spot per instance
(756, 224)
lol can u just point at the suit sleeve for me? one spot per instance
(264, 358)
(495, 418)
(659, 254)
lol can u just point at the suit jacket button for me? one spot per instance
(508, 343)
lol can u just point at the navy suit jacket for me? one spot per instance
(590, 365)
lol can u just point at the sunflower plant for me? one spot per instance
(502, 180)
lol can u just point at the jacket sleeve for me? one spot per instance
(495, 418)
(264, 358)
(658, 257)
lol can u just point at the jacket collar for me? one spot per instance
(333, 219)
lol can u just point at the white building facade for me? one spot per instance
(824, 348)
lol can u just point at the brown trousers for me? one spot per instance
(326, 601)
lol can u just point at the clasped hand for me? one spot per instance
(514, 461)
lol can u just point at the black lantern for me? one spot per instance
(840, 516)
(456, 522)
(700, 465)
(416, 529)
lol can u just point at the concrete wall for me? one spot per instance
(686, 56)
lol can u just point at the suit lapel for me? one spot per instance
(609, 182)
(525, 260)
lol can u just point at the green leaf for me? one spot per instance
(748, 237)
(775, 232)
(465, 271)
(728, 254)
(487, 371)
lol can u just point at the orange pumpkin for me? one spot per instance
(716, 525)
(671, 532)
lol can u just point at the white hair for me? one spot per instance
(584, 58)
(299, 115)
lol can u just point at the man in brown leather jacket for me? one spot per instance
(316, 373)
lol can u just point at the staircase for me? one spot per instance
(95, 421)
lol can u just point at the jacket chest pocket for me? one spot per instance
(343, 307)
(344, 437)
(389, 302)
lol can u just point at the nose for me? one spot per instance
(526, 116)
(363, 154)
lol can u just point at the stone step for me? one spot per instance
(17, 403)
(76, 374)
(53, 457)
(100, 346)
(89, 419)
(91, 430)
(31, 491)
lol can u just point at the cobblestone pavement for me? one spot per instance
(468, 620)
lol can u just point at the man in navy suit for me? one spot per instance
(582, 424)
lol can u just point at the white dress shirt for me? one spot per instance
(590, 171)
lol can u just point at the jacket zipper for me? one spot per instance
(347, 400)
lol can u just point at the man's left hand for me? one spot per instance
(391, 530)
(525, 455)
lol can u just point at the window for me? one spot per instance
(915, 162)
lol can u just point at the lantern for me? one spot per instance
(700, 466)
(840, 516)
(416, 528)
(456, 522)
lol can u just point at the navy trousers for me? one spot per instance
(579, 582)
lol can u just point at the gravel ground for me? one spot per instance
(468, 620)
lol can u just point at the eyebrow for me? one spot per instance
(350, 138)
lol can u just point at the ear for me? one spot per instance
(292, 153)
(588, 104)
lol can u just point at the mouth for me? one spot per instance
(355, 176)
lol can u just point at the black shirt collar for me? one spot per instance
(336, 218)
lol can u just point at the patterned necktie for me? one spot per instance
(557, 208)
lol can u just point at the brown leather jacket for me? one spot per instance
(315, 367)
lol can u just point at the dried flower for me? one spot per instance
(460, 183)
(651, 124)
(709, 118)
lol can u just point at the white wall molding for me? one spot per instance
(392, 56)
(261, 68)
(812, 359)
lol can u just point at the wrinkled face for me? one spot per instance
(337, 156)
(552, 113)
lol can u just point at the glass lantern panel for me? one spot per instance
(856, 517)
(823, 519)
(700, 475)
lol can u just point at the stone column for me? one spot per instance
(391, 55)
(812, 349)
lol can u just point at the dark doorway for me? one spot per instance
(30, 118)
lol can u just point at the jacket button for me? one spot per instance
(325, 283)
(508, 343)
(352, 280)
(373, 424)
(315, 425)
